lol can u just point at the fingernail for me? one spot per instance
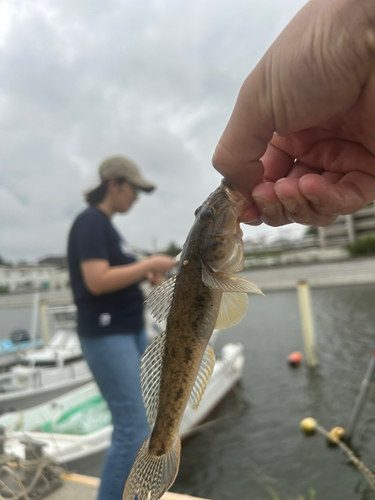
(312, 198)
(289, 203)
(265, 207)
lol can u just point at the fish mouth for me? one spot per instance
(234, 195)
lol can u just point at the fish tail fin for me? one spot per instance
(151, 475)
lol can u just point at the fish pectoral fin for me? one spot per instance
(229, 282)
(160, 299)
(233, 304)
(204, 374)
(233, 307)
(151, 368)
(152, 475)
(178, 257)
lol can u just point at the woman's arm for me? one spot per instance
(101, 278)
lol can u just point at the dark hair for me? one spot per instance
(97, 195)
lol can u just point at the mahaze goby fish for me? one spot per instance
(176, 367)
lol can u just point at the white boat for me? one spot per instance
(20, 341)
(76, 429)
(45, 373)
(63, 348)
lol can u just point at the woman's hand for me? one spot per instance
(161, 264)
(315, 87)
(100, 277)
(155, 279)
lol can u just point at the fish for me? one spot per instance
(176, 367)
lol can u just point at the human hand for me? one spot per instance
(315, 87)
(160, 264)
(155, 278)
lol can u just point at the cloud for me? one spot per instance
(155, 80)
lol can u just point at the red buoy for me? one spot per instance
(295, 359)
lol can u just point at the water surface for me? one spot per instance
(259, 453)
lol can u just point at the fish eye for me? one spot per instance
(206, 214)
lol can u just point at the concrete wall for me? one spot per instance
(324, 274)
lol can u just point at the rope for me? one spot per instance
(38, 464)
(369, 476)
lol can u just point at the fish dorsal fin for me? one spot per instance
(204, 374)
(160, 299)
(151, 367)
(234, 301)
(229, 282)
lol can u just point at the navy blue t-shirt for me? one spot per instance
(93, 236)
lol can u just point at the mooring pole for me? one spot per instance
(34, 317)
(44, 319)
(361, 399)
(303, 291)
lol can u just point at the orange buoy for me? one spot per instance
(295, 359)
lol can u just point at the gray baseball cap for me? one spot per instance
(119, 166)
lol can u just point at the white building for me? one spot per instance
(349, 228)
(33, 277)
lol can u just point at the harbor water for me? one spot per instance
(259, 453)
(254, 449)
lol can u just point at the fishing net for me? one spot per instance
(89, 416)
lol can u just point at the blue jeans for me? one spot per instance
(114, 362)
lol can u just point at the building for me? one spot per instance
(33, 277)
(349, 228)
(60, 261)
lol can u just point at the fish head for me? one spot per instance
(222, 245)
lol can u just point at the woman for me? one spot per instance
(105, 278)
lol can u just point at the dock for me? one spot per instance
(82, 487)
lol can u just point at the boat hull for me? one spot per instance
(85, 452)
(25, 387)
(29, 399)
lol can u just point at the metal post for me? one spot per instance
(34, 317)
(46, 334)
(308, 333)
(350, 227)
(322, 237)
(361, 399)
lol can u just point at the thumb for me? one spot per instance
(247, 134)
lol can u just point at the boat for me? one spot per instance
(63, 348)
(20, 341)
(75, 429)
(44, 373)
(11, 352)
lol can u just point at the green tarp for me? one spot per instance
(89, 416)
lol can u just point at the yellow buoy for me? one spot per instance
(308, 425)
(336, 432)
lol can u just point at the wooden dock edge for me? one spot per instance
(95, 482)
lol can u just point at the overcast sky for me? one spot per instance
(155, 80)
